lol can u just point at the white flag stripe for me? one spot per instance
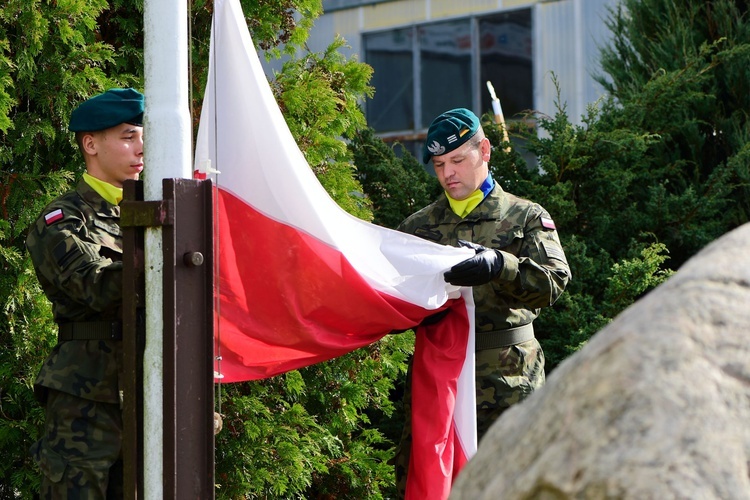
(466, 397)
(254, 128)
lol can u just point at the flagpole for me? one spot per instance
(167, 145)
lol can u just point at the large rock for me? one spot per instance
(655, 406)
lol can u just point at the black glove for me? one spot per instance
(434, 318)
(477, 270)
(429, 320)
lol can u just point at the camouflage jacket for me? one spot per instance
(535, 270)
(76, 248)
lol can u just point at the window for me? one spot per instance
(421, 71)
(391, 54)
(445, 51)
(505, 60)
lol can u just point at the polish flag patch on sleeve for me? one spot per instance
(548, 223)
(53, 216)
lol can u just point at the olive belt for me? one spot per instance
(504, 338)
(90, 330)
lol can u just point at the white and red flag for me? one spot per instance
(300, 281)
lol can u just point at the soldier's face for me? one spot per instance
(116, 154)
(463, 170)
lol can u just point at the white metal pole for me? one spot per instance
(167, 143)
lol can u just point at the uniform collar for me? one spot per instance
(464, 207)
(112, 194)
(495, 201)
(93, 199)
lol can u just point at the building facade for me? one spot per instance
(432, 55)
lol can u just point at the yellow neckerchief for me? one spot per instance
(462, 208)
(111, 193)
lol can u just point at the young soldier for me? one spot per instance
(76, 248)
(519, 267)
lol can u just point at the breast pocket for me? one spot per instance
(109, 235)
(502, 237)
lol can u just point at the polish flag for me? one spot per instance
(300, 281)
(53, 216)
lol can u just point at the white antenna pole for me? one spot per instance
(167, 144)
(498, 110)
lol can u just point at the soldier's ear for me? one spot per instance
(88, 143)
(486, 149)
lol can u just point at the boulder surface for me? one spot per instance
(655, 406)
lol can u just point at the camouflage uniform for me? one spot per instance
(76, 248)
(535, 273)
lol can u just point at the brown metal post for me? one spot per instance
(188, 341)
(185, 215)
(133, 316)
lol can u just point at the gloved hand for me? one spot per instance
(429, 320)
(477, 270)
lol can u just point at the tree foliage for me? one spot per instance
(679, 70)
(301, 435)
(636, 189)
(50, 58)
(656, 170)
(396, 186)
(676, 75)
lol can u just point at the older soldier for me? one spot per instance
(519, 266)
(76, 247)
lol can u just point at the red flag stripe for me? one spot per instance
(299, 298)
(435, 444)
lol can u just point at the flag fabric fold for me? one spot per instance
(301, 281)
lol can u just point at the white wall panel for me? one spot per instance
(566, 39)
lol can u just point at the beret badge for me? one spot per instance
(436, 149)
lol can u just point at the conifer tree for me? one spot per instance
(302, 434)
(380, 170)
(50, 58)
(657, 169)
(678, 70)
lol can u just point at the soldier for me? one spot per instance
(519, 267)
(76, 248)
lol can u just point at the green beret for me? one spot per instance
(108, 110)
(449, 131)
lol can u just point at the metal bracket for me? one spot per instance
(146, 213)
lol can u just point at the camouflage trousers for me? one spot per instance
(80, 451)
(504, 376)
